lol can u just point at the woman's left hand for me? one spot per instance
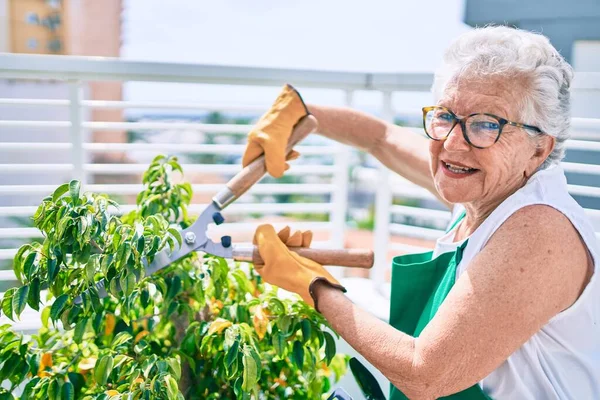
(286, 269)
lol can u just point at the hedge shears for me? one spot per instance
(195, 236)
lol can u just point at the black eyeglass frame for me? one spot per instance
(462, 121)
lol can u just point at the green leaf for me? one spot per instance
(284, 324)
(28, 269)
(305, 326)
(276, 305)
(103, 369)
(20, 300)
(174, 288)
(62, 189)
(52, 270)
(243, 282)
(68, 391)
(232, 354)
(329, 347)
(145, 298)
(7, 307)
(298, 354)
(45, 316)
(77, 380)
(53, 390)
(172, 388)
(176, 234)
(58, 306)
(250, 372)
(127, 282)
(80, 330)
(90, 270)
(34, 294)
(124, 255)
(175, 366)
(18, 261)
(74, 187)
(121, 338)
(279, 343)
(366, 381)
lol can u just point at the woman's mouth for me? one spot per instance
(457, 171)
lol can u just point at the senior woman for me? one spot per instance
(507, 305)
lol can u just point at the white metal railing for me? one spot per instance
(417, 221)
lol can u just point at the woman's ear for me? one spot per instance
(544, 146)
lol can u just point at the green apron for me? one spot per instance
(419, 286)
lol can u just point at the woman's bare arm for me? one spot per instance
(400, 149)
(533, 267)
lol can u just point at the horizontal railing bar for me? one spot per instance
(116, 105)
(31, 146)
(33, 102)
(11, 168)
(583, 145)
(207, 128)
(7, 275)
(420, 212)
(20, 233)
(104, 104)
(408, 248)
(33, 66)
(580, 190)
(266, 188)
(581, 168)
(7, 254)
(233, 149)
(251, 226)
(412, 192)
(416, 232)
(21, 211)
(34, 124)
(139, 168)
(588, 124)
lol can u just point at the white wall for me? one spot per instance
(586, 58)
(586, 55)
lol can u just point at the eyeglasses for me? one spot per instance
(480, 130)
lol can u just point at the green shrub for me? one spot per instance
(202, 328)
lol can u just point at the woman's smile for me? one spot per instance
(456, 170)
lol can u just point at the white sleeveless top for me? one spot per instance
(562, 360)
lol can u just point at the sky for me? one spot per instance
(338, 35)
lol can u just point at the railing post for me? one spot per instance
(383, 199)
(341, 181)
(339, 196)
(76, 131)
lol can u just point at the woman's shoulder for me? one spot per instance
(547, 239)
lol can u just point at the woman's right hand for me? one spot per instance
(271, 133)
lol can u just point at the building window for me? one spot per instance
(32, 43)
(32, 19)
(55, 45)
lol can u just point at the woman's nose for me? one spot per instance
(455, 141)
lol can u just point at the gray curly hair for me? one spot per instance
(501, 51)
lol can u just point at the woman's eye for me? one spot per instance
(492, 126)
(445, 117)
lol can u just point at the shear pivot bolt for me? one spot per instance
(190, 237)
(218, 218)
(226, 241)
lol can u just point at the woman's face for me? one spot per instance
(497, 171)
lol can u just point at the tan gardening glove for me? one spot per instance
(271, 133)
(286, 269)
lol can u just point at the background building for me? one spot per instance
(56, 27)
